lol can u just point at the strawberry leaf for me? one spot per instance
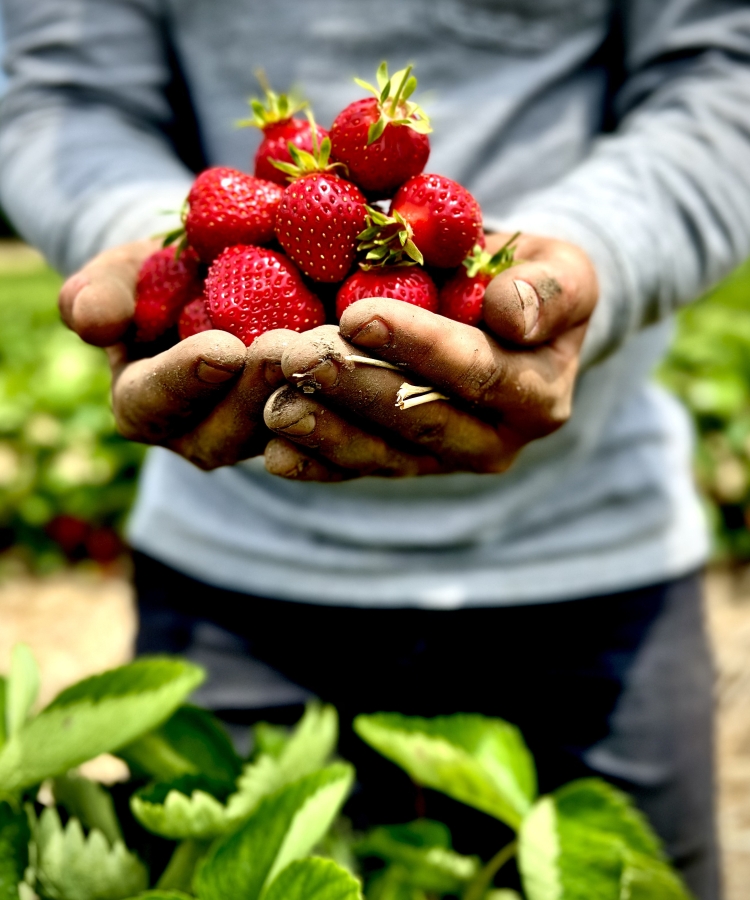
(14, 843)
(183, 809)
(314, 879)
(423, 849)
(284, 827)
(90, 803)
(381, 76)
(192, 741)
(480, 761)
(69, 866)
(21, 689)
(588, 840)
(98, 715)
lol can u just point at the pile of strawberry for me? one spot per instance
(263, 251)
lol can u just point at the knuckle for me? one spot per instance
(431, 429)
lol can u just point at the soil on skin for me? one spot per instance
(80, 624)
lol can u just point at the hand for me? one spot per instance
(509, 385)
(202, 398)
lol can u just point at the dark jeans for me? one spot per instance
(618, 686)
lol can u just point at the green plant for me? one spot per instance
(195, 820)
(66, 477)
(708, 368)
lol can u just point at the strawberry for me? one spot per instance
(194, 318)
(407, 283)
(165, 283)
(276, 120)
(433, 220)
(461, 297)
(251, 290)
(227, 207)
(320, 215)
(382, 139)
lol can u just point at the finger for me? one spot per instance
(306, 422)
(529, 390)
(457, 438)
(289, 461)
(234, 429)
(551, 291)
(155, 400)
(98, 301)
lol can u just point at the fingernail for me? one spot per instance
(530, 305)
(300, 428)
(324, 375)
(213, 374)
(374, 334)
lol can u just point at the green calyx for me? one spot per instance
(393, 98)
(178, 236)
(479, 260)
(387, 241)
(304, 162)
(276, 108)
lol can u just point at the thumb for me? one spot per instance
(552, 291)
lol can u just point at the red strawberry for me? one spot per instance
(383, 139)
(461, 297)
(194, 318)
(433, 220)
(275, 119)
(251, 290)
(227, 207)
(275, 145)
(320, 215)
(407, 283)
(164, 285)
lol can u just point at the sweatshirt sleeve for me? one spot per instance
(662, 204)
(85, 162)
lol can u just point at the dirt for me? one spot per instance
(78, 624)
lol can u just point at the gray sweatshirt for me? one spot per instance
(621, 126)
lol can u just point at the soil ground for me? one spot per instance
(79, 624)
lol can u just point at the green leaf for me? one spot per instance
(480, 761)
(21, 690)
(314, 879)
(502, 894)
(178, 875)
(646, 878)
(190, 742)
(90, 803)
(269, 739)
(70, 866)
(98, 715)
(311, 744)
(3, 705)
(587, 840)
(182, 809)
(14, 854)
(423, 849)
(162, 895)
(285, 827)
(539, 852)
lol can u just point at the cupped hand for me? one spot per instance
(507, 384)
(203, 397)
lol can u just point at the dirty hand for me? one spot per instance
(202, 398)
(507, 385)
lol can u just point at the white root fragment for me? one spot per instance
(369, 361)
(413, 395)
